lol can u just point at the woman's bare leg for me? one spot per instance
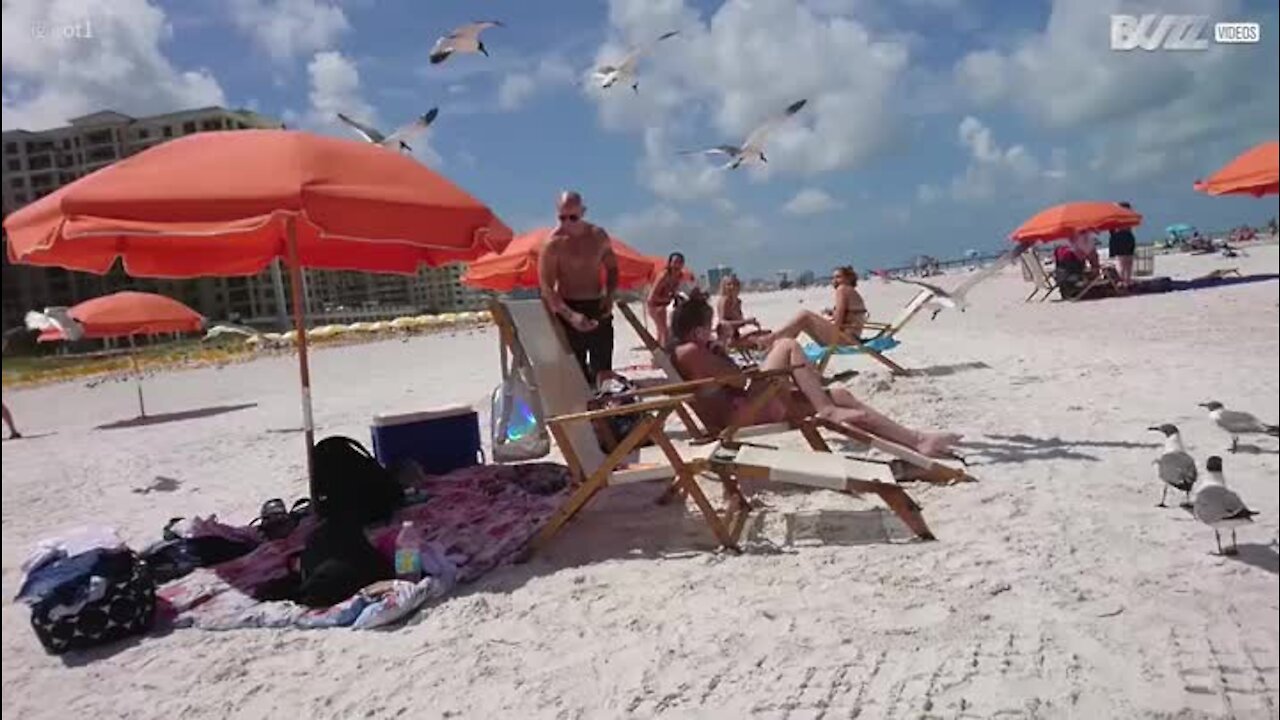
(810, 323)
(659, 315)
(853, 411)
(785, 354)
(8, 420)
(1126, 269)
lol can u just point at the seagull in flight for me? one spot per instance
(1237, 422)
(752, 149)
(396, 139)
(1175, 466)
(465, 39)
(1219, 507)
(938, 298)
(608, 75)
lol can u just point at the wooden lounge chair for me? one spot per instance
(565, 395)
(779, 386)
(1041, 280)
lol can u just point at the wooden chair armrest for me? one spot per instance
(667, 403)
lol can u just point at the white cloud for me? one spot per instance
(663, 228)
(285, 29)
(116, 62)
(518, 87)
(1148, 113)
(995, 171)
(720, 78)
(335, 88)
(810, 201)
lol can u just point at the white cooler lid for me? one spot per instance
(405, 418)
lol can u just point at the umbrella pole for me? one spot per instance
(300, 327)
(137, 376)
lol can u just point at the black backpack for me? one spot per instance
(349, 485)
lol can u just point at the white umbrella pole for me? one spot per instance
(137, 376)
(300, 327)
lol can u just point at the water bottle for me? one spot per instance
(408, 553)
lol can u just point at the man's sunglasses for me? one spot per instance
(570, 218)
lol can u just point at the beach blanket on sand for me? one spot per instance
(475, 518)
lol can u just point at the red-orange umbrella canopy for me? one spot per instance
(1061, 221)
(129, 313)
(217, 204)
(517, 265)
(134, 313)
(1256, 172)
(228, 203)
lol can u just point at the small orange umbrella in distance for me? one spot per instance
(1063, 221)
(1255, 172)
(230, 203)
(125, 314)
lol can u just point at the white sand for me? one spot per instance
(1056, 588)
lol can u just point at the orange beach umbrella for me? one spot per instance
(517, 265)
(125, 314)
(1063, 221)
(1256, 172)
(229, 203)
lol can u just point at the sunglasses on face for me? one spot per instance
(570, 218)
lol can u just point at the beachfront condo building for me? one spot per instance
(38, 162)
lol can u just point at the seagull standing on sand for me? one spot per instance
(1236, 423)
(1175, 466)
(465, 39)
(1218, 507)
(752, 150)
(395, 140)
(608, 75)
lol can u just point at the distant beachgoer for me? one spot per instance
(8, 420)
(845, 320)
(1086, 248)
(699, 355)
(662, 293)
(1121, 246)
(729, 310)
(569, 266)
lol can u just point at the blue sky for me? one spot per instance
(933, 126)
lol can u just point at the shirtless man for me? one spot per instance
(569, 265)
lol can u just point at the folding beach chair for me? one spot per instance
(565, 396)
(1042, 281)
(779, 386)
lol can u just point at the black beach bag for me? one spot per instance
(348, 484)
(116, 599)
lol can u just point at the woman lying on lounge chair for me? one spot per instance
(845, 320)
(699, 355)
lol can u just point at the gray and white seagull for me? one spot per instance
(465, 39)
(1219, 507)
(752, 149)
(1237, 422)
(938, 298)
(609, 75)
(1175, 466)
(397, 138)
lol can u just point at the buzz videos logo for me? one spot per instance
(1153, 32)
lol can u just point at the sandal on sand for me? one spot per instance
(274, 521)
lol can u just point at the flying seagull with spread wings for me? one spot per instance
(751, 150)
(396, 139)
(465, 39)
(609, 75)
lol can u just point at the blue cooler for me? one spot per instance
(439, 440)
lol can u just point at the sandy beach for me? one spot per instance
(1056, 588)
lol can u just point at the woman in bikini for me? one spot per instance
(698, 354)
(839, 325)
(729, 311)
(662, 293)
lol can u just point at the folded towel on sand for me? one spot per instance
(814, 352)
